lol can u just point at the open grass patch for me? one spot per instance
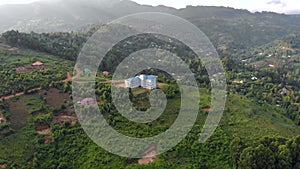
(17, 148)
(138, 91)
(18, 114)
(34, 102)
(55, 98)
(243, 118)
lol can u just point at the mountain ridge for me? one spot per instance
(229, 29)
(31, 17)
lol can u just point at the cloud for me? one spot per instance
(295, 11)
(275, 2)
(277, 5)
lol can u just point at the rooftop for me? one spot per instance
(147, 77)
(38, 63)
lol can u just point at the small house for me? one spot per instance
(271, 65)
(106, 73)
(254, 78)
(87, 101)
(38, 63)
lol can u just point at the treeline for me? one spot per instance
(268, 153)
(65, 45)
(277, 85)
(68, 46)
(13, 82)
(269, 88)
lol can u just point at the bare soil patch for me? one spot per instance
(161, 85)
(19, 115)
(54, 97)
(69, 77)
(269, 63)
(2, 118)
(4, 46)
(48, 140)
(149, 156)
(3, 165)
(43, 129)
(146, 160)
(119, 83)
(13, 49)
(62, 117)
(207, 109)
(20, 93)
(28, 69)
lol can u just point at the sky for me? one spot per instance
(280, 6)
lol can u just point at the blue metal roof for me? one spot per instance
(137, 78)
(151, 77)
(87, 70)
(134, 79)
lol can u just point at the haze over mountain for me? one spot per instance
(226, 27)
(41, 120)
(67, 15)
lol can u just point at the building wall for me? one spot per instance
(132, 83)
(150, 84)
(143, 82)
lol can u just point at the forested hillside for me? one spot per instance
(39, 128)
(231, 30)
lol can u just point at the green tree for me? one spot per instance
(236, 148)
(259, 157)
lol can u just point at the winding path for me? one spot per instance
(68, 79)
(19, 93)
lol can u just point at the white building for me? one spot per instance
(254, 78)
(144, 81)
(133, 82)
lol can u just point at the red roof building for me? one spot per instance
(38, 63)
(149, 156)
(106, 73)
(87, 101)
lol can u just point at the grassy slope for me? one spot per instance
(242, 118)
(19, 147)
(26, 57)
(245, 119)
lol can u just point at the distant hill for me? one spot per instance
(229, 29)
(67, 15)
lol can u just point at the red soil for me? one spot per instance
(48, 140)
(43, 129)
(149, 156)
(62, 117)
(207, 109)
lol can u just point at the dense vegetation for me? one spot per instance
(275, 85)
(18, 75)
(270, 74)
(260, 127)
(66, 45)
(230, 145)
(269, 152)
